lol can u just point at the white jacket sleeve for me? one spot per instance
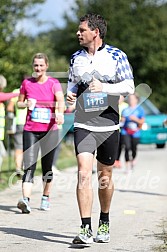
(124, 87)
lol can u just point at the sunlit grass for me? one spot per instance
(66, 159)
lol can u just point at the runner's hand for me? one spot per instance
(71, 98)
(59, 118)
(95, 85)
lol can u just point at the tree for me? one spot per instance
(15, 47)
(138, 27)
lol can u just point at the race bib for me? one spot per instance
(95, 101)
(41, 115)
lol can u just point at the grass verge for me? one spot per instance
(163, 237)
(66, 159)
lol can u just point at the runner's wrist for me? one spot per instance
(104, 87)
(60, 114)
(22, 104)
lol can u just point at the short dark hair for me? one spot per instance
(96, 21)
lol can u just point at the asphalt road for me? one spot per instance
(138, 211)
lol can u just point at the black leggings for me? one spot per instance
(32, 141)
(130, 144)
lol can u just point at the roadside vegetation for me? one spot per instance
(163, 237)
(7, 174)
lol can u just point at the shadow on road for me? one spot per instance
(36, 235)
(9, 208)
(142, 192)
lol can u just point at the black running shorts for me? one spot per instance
(104, 143)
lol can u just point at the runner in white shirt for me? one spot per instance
(98, 74)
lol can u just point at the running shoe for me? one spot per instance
(45, 203)
(23, 205)
(103, 233)
(85, 236)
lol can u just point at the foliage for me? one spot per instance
(17, 49)
(67, 156)
(138, 27)
(14, 46)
